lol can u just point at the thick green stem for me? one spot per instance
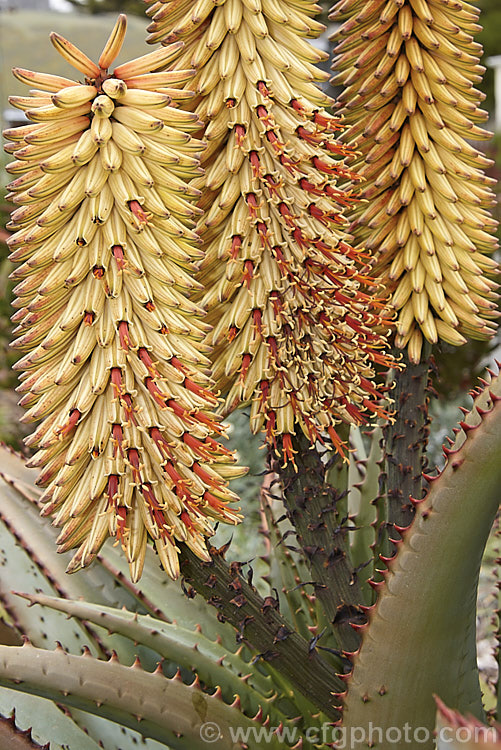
(259, 623)
(321, 525)
(405, 439)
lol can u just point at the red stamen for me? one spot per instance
(186, 519)
(126, 401)
(322, 246)
(271, 424)
(178, 482)
(255, 164)
(118, 437)
(118, 254)
(75, 415)
(254, 206)
(175, 362)
(288, 163)
(133, 457)
(178, 409)
(276, 302)
(155, 510)
(236, 244)
(288, 450)
(214, 502)
(323, 166)
(310, 187)
(336, 148)
(265, 116)
(112, 489)
(296, 104)
(116, 380)
(155, 391)
(273, 186)
(246, 360)
(139, 213)
(123, 334)
(317, 213)
(240, 133)
(265, 391)
(203, 418)
(354, 412)
(204, 475)
(300, 238)
(262, 230)
(161, 442)
(121, 514)
(263, 88)
(248, 273)
(277, 144)
(285, 212)
(339, 445)
(325, 120)
(272, 344)
(283, 264)
(199, 390)
(196, 445)
(308, 136)
(145, 358)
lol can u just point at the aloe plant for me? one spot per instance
(190, 223)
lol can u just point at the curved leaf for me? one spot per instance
(165, 709)
(423, 624)
(213, 664)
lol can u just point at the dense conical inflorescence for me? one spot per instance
(409, 70)
(115, 368)
(294, 331)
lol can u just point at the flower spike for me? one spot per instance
(409, 71)
(297, 326)
(115, 367)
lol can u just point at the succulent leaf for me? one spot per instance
(213, 664)
(429, 618)
(48, 723)
(166, 600)
(165, 709)
(16, 739)
(363, 538)
(39, 565)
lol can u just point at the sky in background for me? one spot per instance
(61, 5)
